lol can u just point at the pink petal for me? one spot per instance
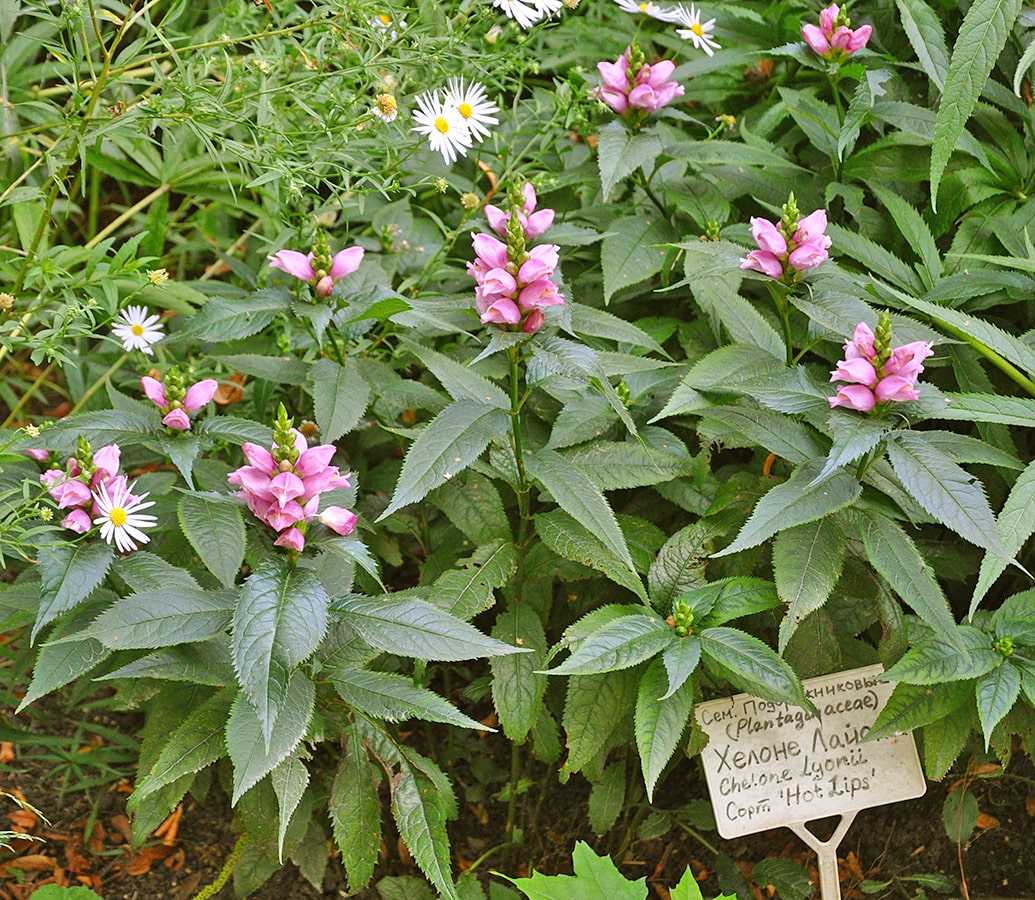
(294, 263)
(293, 539)
(177, 419)
(854, 396)
(199, 394)
(345, 262)
(155, 391)
(339, 520)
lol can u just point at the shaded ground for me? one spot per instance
(87, 840)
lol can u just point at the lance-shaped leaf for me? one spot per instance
(215, 528)
(680, 564)
(460, 381)
(468, 590)
(997, 691)
(722, 601)
(660, 719)
(289, 780)
(226, 320)
(416, 628)
(681, 661)
(619, 644)
(912, 706)
(924, 30)
(395, 698)
(206, 662)
(448, 444)
(517, 686)
(254, 751)
(356, 812)
(177, 614)
(340, 396)
(199, 741)
(935, 659)
(144, 571)
(620, 153)
(798, 500)
(753, 666)
(68, 574)
(853, 435)
(656, 456)
(66, 656)
(893, 554)
(596, 706)
(807, 562)
(281, 617)
(472, 503)
(420, 812)
(1016, 525)
(944, 740)
(576, 494)
(983, 34)
(946, 491)
(974, 407)
(745, 426)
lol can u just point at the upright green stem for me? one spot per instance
(90, 391)
(24, 399)
(779, 294)
(522, 488)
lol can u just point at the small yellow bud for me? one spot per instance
(470, 201)
(157, 277)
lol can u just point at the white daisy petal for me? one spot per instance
(446, 130)
(528, 13)
(120, 517)
(648, 8)
(137, 330)
(697, 32)
(469, 100)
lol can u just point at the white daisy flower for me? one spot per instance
(700, 34)
(528, 13)
(636, 7)
(137, 330)
(469, 100)
(120, 516)
(389, 25)
(443, 126)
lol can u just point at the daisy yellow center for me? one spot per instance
(385, 19)
(697, 29)
(465, 110)
(386, 103)
(442, 125)
(117, 516)
(137, 329)
(644, 7)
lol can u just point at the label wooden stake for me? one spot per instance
(770, 764)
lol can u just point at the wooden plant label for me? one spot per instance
(770, 764)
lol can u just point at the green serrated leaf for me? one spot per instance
(289, 780)
(419, 812)
(176, 614)
(912, 706)
(620, 153)
(944, 741)
(355, 812)
(417, 629)
(199, 741)
(595, 706)
(206, 662)
(893, 554)
(656, 456)
(460, 381)
(517, 685)
(936, 659)
(744, 426)
(618, 644)
(661, 717)
(449, 443)
(681, 659)
(997, 691)
(983, 34)
(753, 666)
(395, 698)
(960, 814)
(467, 591)
(215, 528)
(256, 750)
(587, 320)
(570, 539)
(280, 619)
(946, 491)
(340, 397)
(797, 501)
(606, 798)
(807, 563)
(226, 320)
(68, 574)
(66, 656)
(629, 253)
(924, 30)
(472, 503)
(680, 564)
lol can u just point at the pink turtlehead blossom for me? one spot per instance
(647, 88)
(77, 486)
(286, 495)
(175, 403)
(534, 223)
(780, 255)
(873, 377)
(306, 268)
(833, 38)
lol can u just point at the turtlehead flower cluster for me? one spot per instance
(282, 486)
(633, 88)
(874, 373)
(694, 30)
(455, 119)
(515, 283)
(528, 13)
(94, 493)
(137, 330)
(789, 247)
(833, 38)
(318, 267)
(175, 400)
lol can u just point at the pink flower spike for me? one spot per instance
(860, 38)
(78, 520)
(497, 218)
(502, 311)
(815, 38)
(177, 419)
(108, 459)
(534, 321)
(810, 254)
(856, 371)
(539, 294)
(861, 344)
(278, 519)
(294, 263)
(339, 520)
(895, 387)
(764, 262)
(314, 460)
(492, 252)
(292, 539)
(286, 487)
(345, 262)
(907, 360)
(199, 394)
(154, 391)
(73, 493)
(813, 225)
(828, 16)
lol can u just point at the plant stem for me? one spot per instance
(513, 836)
(779, 295)
(119, 221)
(92, 389)
(28, 394)
(522, 489)
(224, 874)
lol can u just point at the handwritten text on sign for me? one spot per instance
(769, 764)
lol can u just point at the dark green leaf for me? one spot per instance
(395, 698)
(340, 396)
(215, 528)
(911, 706)
(807, 563)
(620, 153)
(68, 574)
(517, 686)
(619, 644)
(177, 614)
(997, 691)
(936, 659)
(753, 666)
(661, 716)
(356, 812)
